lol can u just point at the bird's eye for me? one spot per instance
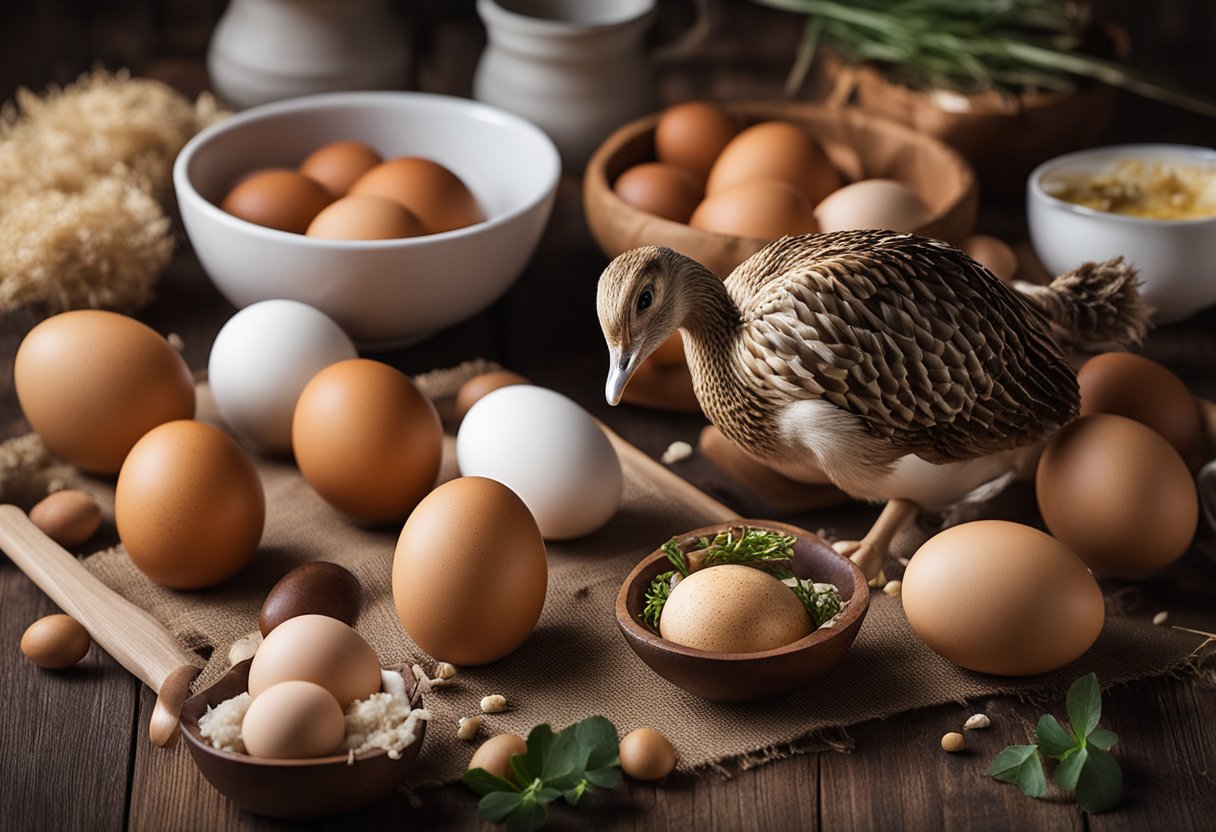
(644, 300)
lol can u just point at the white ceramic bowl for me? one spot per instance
(384, 293)
(1174, 257)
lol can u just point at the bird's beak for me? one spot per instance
(622, 363)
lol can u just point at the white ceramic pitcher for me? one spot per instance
(265, 50)
(576, 68)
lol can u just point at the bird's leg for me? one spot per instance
(870, 552)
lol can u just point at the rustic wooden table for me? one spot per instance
(74, 751)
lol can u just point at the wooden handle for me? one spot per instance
(138, 641)
(691, 496)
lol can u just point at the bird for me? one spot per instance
(895, 365)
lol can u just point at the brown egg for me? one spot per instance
(647, 755)
(470, 575)
(431, 191)
(1133, 386)
(293, 720)
(317, 649)
(91, 383)
(55, 642)
(67, 517)
(473, 390)
(872, 203)
(189, 505)
(775, 150)
(764, 209)
(1117, 494)
(993, 254)
(1002, 598)
(281, 199)
(365, 218)
(733, 608)
(367, 440)
(317, 588)
(663, 190)
(338, 164)
(691, 135)
(494, 755)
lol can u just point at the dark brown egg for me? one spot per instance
(663, 190)
(1130, 385)
(476, 388)
(317, 588)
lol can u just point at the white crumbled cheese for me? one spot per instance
(221, 725)
(383, 720)
(676, 452)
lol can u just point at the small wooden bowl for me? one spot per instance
(861, 146)
(310, 788)
(742, 677)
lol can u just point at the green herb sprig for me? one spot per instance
(761, 548)
(969, 45)
(573, 762)
(1085, 764)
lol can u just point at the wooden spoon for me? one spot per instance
(138, 641)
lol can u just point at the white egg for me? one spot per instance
(261, 361)
(550, 452)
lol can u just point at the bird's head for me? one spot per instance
(639, 308)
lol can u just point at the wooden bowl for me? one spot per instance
(742, 677)
(310, 788)
(860, 145)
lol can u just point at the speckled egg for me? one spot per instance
(733, 609)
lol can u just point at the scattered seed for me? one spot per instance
(846, 547)
(953, 742)
(445, 671)
(493, 704)
(469, 726)
(1160, 618)
(676, 452)
(904, 561)
(175, 341)
(879, 580)
(893, 588)
(976, 721)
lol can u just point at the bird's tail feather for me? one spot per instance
(1093, 308)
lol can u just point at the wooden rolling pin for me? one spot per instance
(134, 638)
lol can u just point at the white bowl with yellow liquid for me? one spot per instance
(1176, 258)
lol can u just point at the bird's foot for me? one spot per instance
(871, 551)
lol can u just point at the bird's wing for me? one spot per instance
(924, 345)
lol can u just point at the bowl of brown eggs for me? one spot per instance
(718, 182)
(395, 213)
(742, 611)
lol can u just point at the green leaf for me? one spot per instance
(603, 743)
(1054, 740)
(540, 739)
(483, 783)
(547, 794)
(1102, 738)
(605, 778)
(575, 794)
(1101, 782)
(495, 806)
(518, 764)
(1084, 705)
(530, 815)
(1020, 764)
(1069, 769)
(566, 759)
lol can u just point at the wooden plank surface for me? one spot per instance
(74, 752)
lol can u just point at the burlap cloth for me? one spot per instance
(576, 663)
